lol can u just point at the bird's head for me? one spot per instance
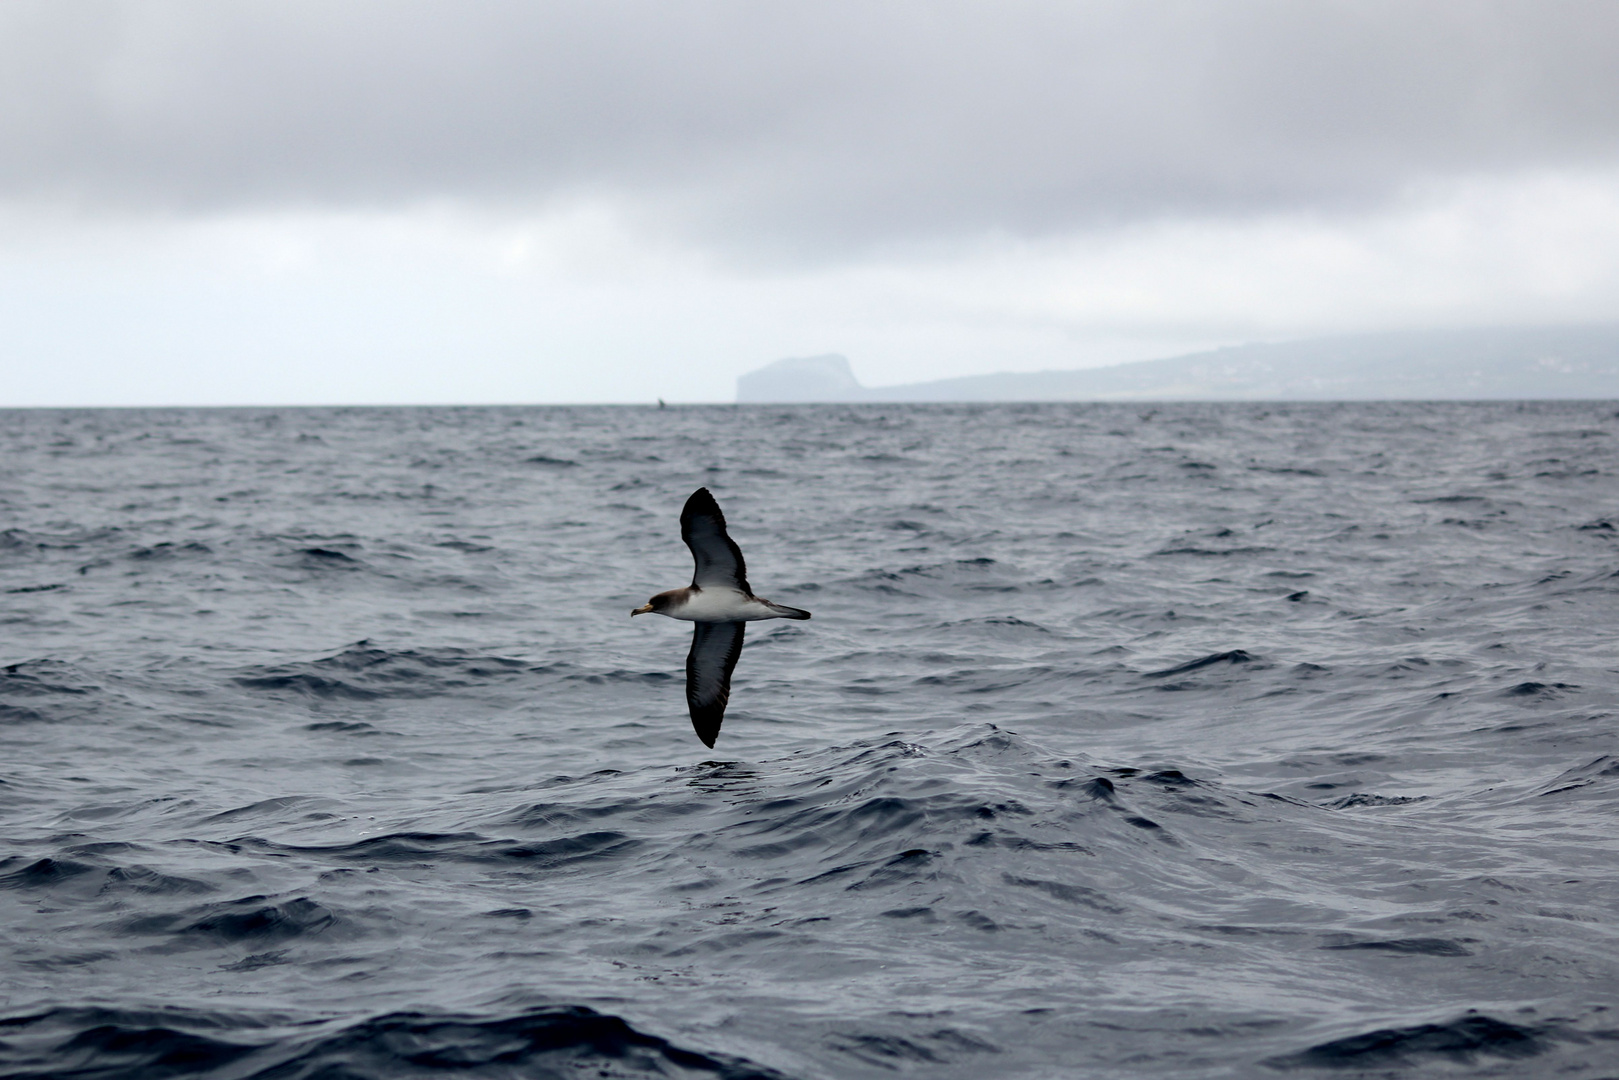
(658, 604)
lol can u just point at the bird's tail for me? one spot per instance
(785, 612)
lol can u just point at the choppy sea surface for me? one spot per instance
(1126, 741)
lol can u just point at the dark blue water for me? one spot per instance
(1126, 741)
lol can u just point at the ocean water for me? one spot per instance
(1126, 741)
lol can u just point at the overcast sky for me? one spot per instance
(221, 201)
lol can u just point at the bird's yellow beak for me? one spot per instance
(642, 610)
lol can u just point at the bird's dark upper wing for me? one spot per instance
(714, 649)
(719, 560)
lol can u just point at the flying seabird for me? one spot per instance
(719, 601)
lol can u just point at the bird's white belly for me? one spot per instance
(715, 604)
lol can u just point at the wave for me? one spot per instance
(1468, 1040)
(50, 691)
(365, 672)
(546, 1041)
(252, 920)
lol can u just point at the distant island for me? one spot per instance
(1433, 365)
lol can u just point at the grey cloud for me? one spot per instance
(828, 124)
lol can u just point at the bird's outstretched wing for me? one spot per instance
(714, 649)
(719, 560)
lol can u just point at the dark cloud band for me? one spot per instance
(835, 123)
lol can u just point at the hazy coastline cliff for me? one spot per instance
(1472, 365)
